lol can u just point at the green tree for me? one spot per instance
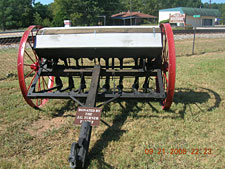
(193, 3)
(153, 6)
(43, 10)
(222, 10)
(108, 8)
(46, 22)
(3, 4)
(37, 19)
(81, 12)
(42, 14)
(15, 13)
(213, 5)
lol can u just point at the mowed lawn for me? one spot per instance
(190, 135)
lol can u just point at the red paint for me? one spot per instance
(23, 48)
(169, 66)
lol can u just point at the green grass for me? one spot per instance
(184, 47)
(41, 139)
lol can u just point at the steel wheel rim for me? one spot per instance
(168, 64)
(27, 67)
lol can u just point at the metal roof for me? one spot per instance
(128, 15)
(195, 11)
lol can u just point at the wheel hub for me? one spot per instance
(34, 66)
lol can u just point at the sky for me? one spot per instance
(214, 1)
(48, 1)
(203, 1)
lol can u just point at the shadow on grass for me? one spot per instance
(8, 76)
(60, 112)
(184, 96)
(112, 133)
(188, 96)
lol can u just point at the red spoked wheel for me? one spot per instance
(168, 64)
(28, 65)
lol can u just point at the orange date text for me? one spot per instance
(178, 151)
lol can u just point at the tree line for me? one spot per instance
(15, 14)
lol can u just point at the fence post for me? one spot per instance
(193, 48)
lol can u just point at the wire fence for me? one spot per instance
(185, 44)
(9, 45)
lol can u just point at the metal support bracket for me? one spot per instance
(91, 97)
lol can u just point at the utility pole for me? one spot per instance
(130, 13)
(210, 3)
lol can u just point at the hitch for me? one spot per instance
(79, 150)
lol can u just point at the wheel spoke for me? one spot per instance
(29, 56)
(27, 65)
(165, 77)
(166, 59)
(165, 40)
(28, 74)
(30, 44)
(32, 36)
(164, 83)
(33, 50)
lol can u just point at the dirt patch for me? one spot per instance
(206, 54)
(42, 125)
(2, 128)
